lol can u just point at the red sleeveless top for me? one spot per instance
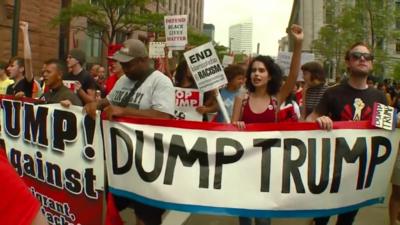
(268, 116)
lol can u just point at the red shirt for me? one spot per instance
(110, 82)
(268, 116)
(17, 204)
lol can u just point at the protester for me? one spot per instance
(236, 78)
(84, 84)
(147, 93)
(315, 87)
(58, 92)
(384, 88)
(264, 79)
(183, 76)
(351, 100)
(117, 72)
(17, 205)
(20, 70)
(4, 80)
(289, 110)
(266, 94)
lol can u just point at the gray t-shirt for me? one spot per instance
(157, 92)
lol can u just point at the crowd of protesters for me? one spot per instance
(257, 92)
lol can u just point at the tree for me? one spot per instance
(370, 21)
(105, 18)
(195, 38)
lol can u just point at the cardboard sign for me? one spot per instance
(156, 50)
(284, 59)
(384, 116)
(227, 60)
(186, 101)
(176, 31)
(206, 69)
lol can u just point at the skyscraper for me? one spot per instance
(241, 38)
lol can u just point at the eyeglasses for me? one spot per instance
(358, 55)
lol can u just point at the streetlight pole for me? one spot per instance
(230, 45)
(15, 28)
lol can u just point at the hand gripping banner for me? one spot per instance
(269, 170)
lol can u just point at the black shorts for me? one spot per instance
(148, 214)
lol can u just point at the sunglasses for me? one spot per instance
(358, 55)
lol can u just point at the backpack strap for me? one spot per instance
(125, 100)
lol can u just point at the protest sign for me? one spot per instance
(176, 31)
(278, 170)
(206, 69)
(186, 102)
(59, 155)
(284, 59)
(384, 116)
(156, 50)
(227, 60)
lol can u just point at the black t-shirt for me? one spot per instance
(23, 85)
(84, 78)
(343, 103)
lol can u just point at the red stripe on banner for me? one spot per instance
(281, 126)
(23, 99)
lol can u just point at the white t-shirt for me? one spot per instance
(156, 92)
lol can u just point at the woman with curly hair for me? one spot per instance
(265, 90)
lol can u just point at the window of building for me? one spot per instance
(94, 45)
(398, 23)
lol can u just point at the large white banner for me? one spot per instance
(206, 69)
(58, 152)
(278, 170)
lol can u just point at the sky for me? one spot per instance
(270, 20)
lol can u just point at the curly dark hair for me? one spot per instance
(274, 71)
(180, 72)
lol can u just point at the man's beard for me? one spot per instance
(359, 73)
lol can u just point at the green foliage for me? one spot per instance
(369, 21)
(221, 51)
(195, 38)
(396, 72)
(105, 18)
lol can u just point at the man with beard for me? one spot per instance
(141, 92)
(350, 100)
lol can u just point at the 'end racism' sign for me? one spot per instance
(205, 67)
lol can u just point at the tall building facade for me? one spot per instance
(241, 38)
(54, 42)
(313, 14)
(193, 8)
(209, 30)
(45, 40)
